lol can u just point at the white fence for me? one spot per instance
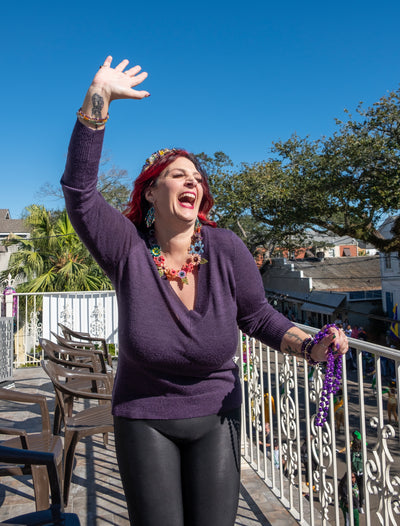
(6, 349)
(38, 315)
(283, 392)
(95, 313)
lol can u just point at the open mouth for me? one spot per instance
(187, 199)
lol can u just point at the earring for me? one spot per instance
(149, 219)
(197, 224)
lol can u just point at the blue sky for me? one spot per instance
(223, 75)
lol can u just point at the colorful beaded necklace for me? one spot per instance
(195, 252)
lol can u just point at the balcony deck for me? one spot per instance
(96, 492)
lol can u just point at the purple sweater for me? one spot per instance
(173, 362)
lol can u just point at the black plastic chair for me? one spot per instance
(53, 516)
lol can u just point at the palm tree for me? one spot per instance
(53, 259)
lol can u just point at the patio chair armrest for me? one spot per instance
(102, 341)
(97, 380)
(18, 396)
(79, 349)
(92, 339)
(21, 456)
(70, 373)
(68, 333)
(68, 363)
(87, 394)
(84, 353)
(72, 343)
(29, 398)
(13, 431)
(98, 353)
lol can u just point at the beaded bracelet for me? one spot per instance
(306, 347)
(92, 120)
(333, 373)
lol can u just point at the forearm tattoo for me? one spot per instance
(97, 105)
(289, 347)
(290, 350)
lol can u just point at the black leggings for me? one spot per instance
(182, 472)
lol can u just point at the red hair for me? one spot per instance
(137, 206)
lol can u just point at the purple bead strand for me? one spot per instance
(333, 376)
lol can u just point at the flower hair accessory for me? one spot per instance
(154, 157)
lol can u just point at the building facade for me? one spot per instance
(10, 226)
(390, 272)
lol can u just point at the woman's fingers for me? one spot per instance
(107, 62)
(139, 94)
(122, 65)
(335, 340)
(119, 82)
(137, 79)
(339, 341)
(133, 71)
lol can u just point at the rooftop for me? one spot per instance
(8, 225)
(343, 274)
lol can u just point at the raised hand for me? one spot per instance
(118, 82)
(110, 84)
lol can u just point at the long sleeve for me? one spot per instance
(105, 231)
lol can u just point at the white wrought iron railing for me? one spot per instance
(284, 392)
(37, 315)
(6, 349)
(281, 391)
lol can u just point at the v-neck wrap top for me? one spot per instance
(173, 362)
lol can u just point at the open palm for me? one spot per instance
(119, 82)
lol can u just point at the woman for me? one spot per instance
(183, 287)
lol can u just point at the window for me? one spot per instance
(389, 303)
(365, 295)
(388, 261)
(356, 295)
(373, 294)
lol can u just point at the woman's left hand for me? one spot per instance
(119, 82)
(336, 339)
